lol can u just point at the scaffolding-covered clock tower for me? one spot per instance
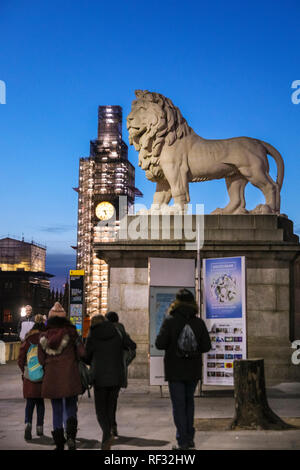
(103, 176)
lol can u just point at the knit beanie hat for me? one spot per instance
(57, 311)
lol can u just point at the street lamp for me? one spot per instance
(23, 312)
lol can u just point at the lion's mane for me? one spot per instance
(169, 126)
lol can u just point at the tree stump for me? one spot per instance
(251, 405)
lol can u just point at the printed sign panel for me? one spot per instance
(77, 299)
(225, 317)
(224, 288)
(160, 301)
(167, 276)
(76, 289)
(157, 373)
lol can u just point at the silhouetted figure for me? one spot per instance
(184, 337)
(104, 352)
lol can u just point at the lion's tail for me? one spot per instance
(280, 169)
(279, 162)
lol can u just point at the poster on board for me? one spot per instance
(76, 296)
(167, 276)
(160, 300)
(225, 317)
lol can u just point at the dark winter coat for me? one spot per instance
(178, 368)
(104, 352)
(60, 349)
(30, 389)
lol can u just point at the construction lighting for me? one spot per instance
(101, 174)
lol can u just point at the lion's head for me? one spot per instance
(154, 121)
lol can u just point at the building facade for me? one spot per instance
(18, 254)
(23, 280)
(104, 176)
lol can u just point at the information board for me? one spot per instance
(225, 317)
(167, 276)
(160, 301)
(76, 296)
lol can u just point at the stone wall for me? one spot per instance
(271, 250)
(268, 318)
(296, 300)
(129, 296)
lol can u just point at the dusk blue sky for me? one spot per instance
(228, 66)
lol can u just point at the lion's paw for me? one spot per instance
(241, 211)
(144, 212)
(165, 209)
(217, 211)
(262, 209)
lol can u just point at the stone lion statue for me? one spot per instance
(173, 155)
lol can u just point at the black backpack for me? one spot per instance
(187, 345)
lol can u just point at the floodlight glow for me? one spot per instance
(23, 312)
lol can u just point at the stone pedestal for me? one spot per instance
(271, 250)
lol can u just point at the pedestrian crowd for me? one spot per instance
(55, 362)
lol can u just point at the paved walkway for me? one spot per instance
(145, 419)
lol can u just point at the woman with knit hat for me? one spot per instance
(32, 390)
(59, 352)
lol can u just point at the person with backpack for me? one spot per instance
(60, 350)
(129, 355)
(184, 337)
(32, 376)
(104, 352)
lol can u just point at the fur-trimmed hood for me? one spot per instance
(54, 343)
(57, 335)
(185, 309)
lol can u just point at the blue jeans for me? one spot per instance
(58, 409)
(182, 397)
(64, 413)
(40, 410)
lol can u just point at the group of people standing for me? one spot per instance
(59, 350)
(183, 336)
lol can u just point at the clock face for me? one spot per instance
(105, 210)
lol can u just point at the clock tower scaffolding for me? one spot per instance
(104, 176)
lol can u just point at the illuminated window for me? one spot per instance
(7, 316)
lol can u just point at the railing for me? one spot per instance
(21, 239)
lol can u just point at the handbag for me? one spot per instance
(128, 354)
(85, 372)
(85, 378)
